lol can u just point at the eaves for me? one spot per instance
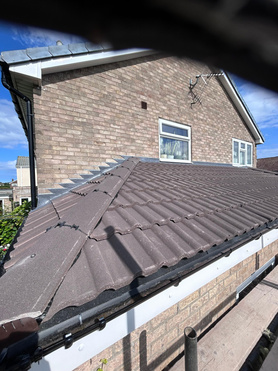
(33, 70)
(117, 313)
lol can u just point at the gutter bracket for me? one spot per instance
(68, 340)
(101, 323)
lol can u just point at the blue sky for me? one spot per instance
(262, 104)
(13, 142)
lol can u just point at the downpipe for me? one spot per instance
(190, 349)
(30, 136)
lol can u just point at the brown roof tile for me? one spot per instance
(269, 163)
(130, 223)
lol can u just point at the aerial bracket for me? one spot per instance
(196, 98)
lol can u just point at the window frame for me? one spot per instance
(163, 134)
(242, 150)
(24, 198)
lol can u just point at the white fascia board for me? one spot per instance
(270, 237)
(34, 70)
(89, 346)
(241, 108)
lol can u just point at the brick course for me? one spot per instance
(88, 116)
(155, 344)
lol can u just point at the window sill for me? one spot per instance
(174, 160)
(237, 165)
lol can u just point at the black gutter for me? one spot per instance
(94, 315)
(100, 311)
(30, 135)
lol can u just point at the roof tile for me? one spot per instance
(110, 185)
(59, 50)
(14, 56)
(89, 211)
(32, 281)
(129, 223)
(77, 48)
(269, 163)
(91, 47)
(38, 53)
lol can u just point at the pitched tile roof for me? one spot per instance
(130, 222)
(269, 163)
(22, 161)
(47, 52)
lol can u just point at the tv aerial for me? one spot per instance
(205, 78)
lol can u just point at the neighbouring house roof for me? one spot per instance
(137, 220)
(269, 163)
(22, 161)
(27, 67)
(6, 193)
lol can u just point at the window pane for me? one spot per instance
(249, 154)
(174, 149)
(236, 158)
(242, 145)
(242, 158)
(174, 130)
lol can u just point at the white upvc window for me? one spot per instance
(24, 199)
(174, 141)
(242, 153)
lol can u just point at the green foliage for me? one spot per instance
(5, 186)
(103, 362)
(9, 224)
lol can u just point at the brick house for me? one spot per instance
(6, 199)
(81, 93)
(151, 215)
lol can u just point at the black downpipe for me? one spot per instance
(30, 137)
(190, 349)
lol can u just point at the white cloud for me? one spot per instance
(11, 132)
(7, 171)
(262, 103)
(263, 152)
(8, 165)
(31, 37)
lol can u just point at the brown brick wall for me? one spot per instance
(85, 117)
(5, 205)
(154, 345)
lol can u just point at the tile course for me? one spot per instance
(130, 222)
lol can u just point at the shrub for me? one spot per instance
(9, 225)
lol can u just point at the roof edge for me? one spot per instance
(243, 109)
(35, 69)
(96, 317)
